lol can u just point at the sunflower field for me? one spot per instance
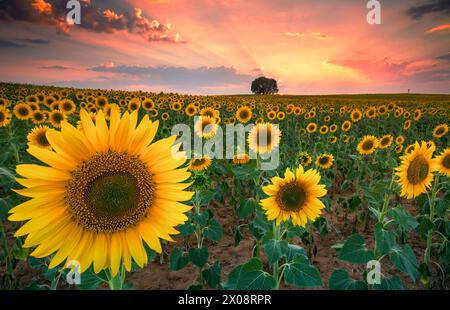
(96, 192)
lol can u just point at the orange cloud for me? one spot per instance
(42, 7)
(314, 34)
(295, 34)
(439, 28)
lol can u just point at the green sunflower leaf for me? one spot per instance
(301, 273)
(249, 276)
(354, 250)
(340, 280)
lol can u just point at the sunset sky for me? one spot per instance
(219, 47)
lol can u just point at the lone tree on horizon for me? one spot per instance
(264, 86)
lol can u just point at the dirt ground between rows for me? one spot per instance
(157, 276)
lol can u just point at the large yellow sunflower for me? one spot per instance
(367, 145)
(443, 162)
(415, 172)
(263, 138)
(105, 191)
(244, 114)
(295, 196)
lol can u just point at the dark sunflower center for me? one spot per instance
(418, 170)
(446, 161)
(42, 139)
(323, 160)
(368, 145)
(384, 141)
(2, 116)
(292, 197)
(23, 111)
(198, 162)
(440, 131)
(57, 117)
(67, 106)
(38, 116)
(110, 192)
(113, 194)
(244, 114)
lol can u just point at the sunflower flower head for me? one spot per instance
(325, 161)
(105, 190)
(295, 197)
(367, 145)
(415, 173)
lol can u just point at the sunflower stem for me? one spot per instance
(198, 228)
(116, 282)
(276, 266)
(431, 202)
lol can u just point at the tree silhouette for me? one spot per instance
(264, 86)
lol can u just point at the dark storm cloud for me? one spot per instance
(56, 67)
(93, 18)
(180, 75)
(436, 6)
(8, 44)
(444, 57)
